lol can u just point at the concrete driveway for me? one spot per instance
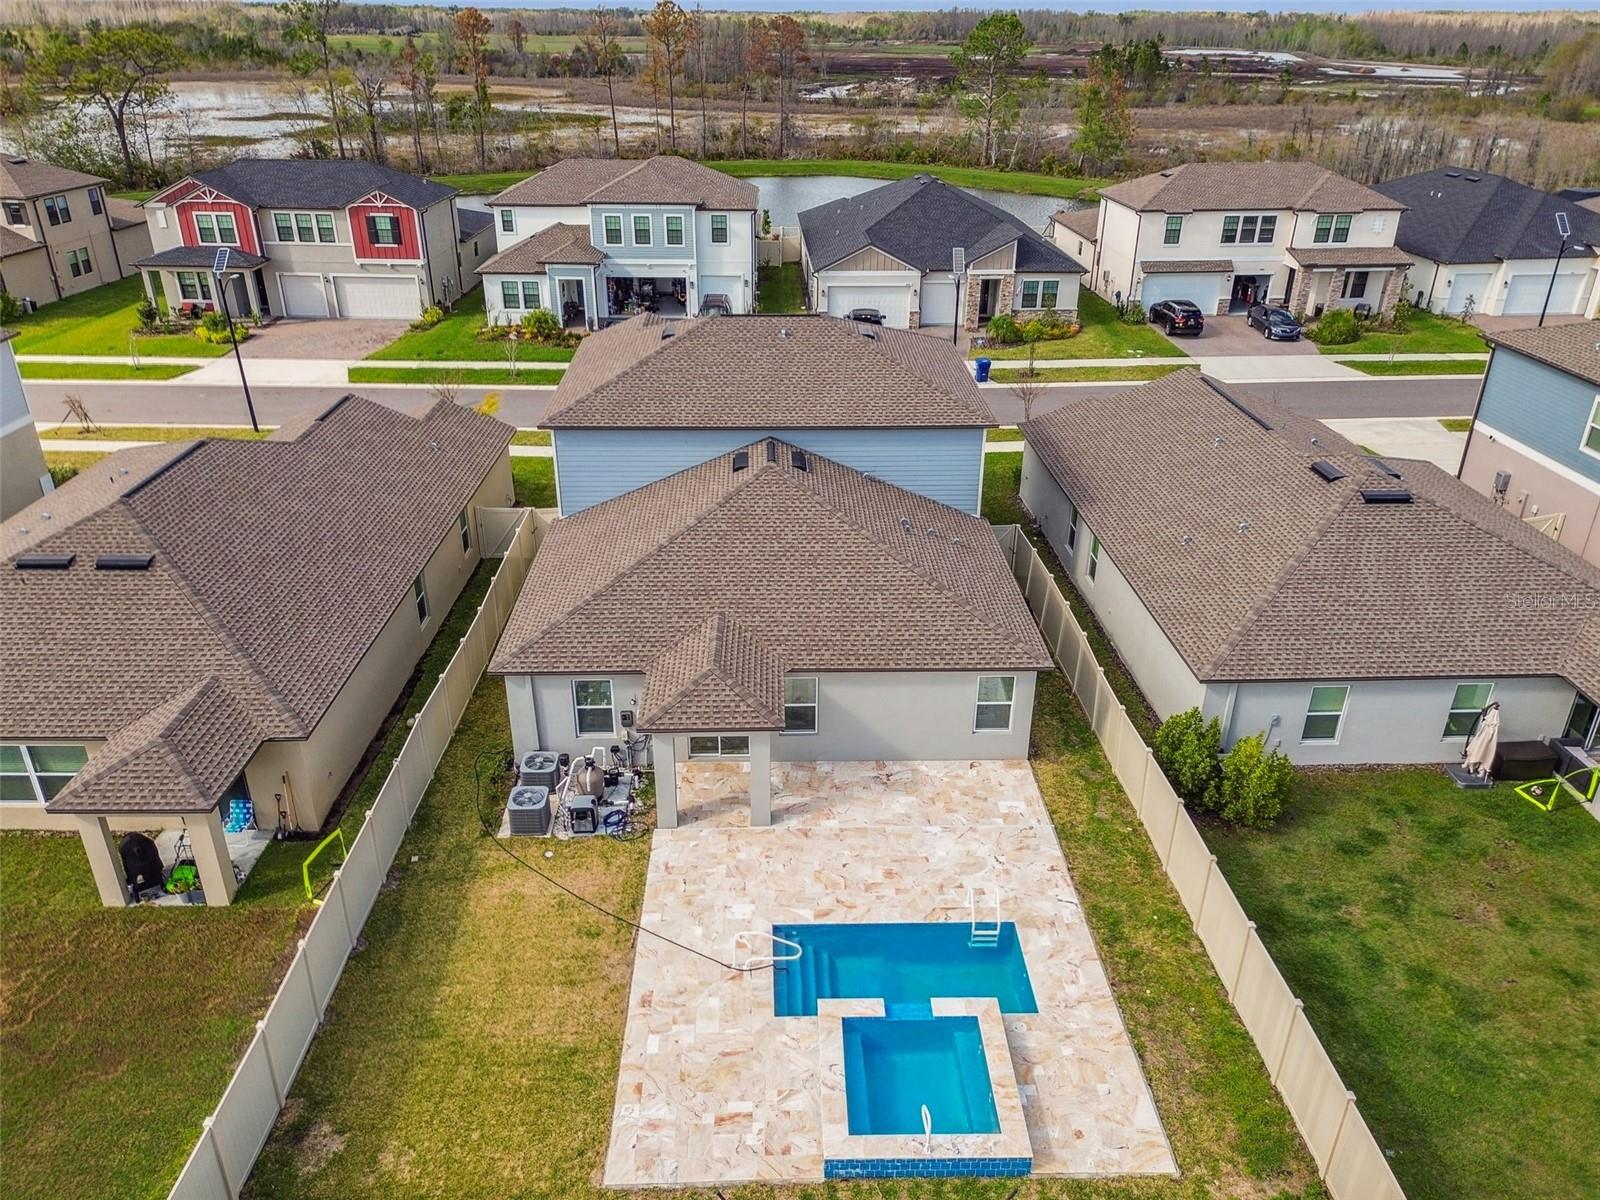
(330, 339)
(1231, 337)
(1526, 321)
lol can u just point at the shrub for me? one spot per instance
(1132, 313)
(430, 317)
(1053, 324)
(1335, 327)
(10, 308)
(1403, 312)
(148, 314)
(1255, 782)
(1003, 330)
(1186, 747)
(542, 325)
(61, 472)
(213, 328)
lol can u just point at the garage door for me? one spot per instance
(303, 296)
(1198, 289)
(1474, 284)
(892, 300)
(394, 298)
(731, 286)
(1525, 294)
(938, 302)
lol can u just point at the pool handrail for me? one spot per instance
(764, 960)
(988, 933)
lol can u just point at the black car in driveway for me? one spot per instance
(867, 316)
(1276, 324)
(1178, 316)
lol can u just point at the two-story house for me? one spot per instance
(1228, 235)
(1534, 446)
(309, 238)
(893, 250)
(60, 233)
(593, 239)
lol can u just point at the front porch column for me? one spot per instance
(105, 861)
(664, 754)
(760, 779)
(149, 288)
(212, 859)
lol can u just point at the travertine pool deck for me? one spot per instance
(713, 1088)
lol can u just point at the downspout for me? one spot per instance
(455, 229)
(105, 211)
(1133, 262)
(1433, 282)
(427, 257)
(44, 240)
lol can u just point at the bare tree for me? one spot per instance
(788, 55)
(668, 28)
(372, 72)
(601, 41)
(309, 21)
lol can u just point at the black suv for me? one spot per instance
(867, 316)
(1178, 316)
(1276, 324)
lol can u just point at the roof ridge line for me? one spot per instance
(638, 165)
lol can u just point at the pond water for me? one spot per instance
(788, 196)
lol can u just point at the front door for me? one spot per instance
(988, 299)
(1288, 289)
(262, 303)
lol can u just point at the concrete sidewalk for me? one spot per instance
(282, 372)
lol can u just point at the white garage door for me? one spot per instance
(731, 286)
(892, 300)
(303, 296)
(938, 302)
(360, 297)
(1472, 283)
(1197, 289)
(1525, 294)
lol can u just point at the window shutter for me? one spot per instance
(372, 230)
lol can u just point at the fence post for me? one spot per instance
(1338, 1137)
(209, 1133)
(279, 1092)
(1205, 890)
(1288, 1037)
(344, 905)
(1149, 765)
(1238, 972)
(1172, 834)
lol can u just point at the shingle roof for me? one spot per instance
(717, 679)
(1181, 266)
(1085, 222)
(198, 256)
(1213, 187)
(318, 183)
(823, 568)
(1350, 256)
(472, 222)
(23, 178)
(919, 220)
(12, 242)
(663, 179)
(1458, 216)
(764, 372)
(1303, 579)
(557, 243)
(1573, 348)
(275, 565)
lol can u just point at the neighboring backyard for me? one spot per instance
(782, 289)
(455, 339)
(101, 321)
(1104, 335)
(1426, 333)
(1447, 947)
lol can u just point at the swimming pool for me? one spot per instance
(904, 964)
(893, 1068)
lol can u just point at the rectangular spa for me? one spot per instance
(893, 1069)
(904, 964)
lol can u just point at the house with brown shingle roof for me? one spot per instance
(1227, 234)
(659, 234)
(195, 632)
(60, 233)
(1253, 564)
(771, 604)
(652, 396)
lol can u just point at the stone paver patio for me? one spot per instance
(713, 1088)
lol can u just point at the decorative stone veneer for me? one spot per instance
(1300, 302)
(972, 289)
(916, 319)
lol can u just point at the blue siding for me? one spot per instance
(1541, 407)
(657, 250)
(596, 464)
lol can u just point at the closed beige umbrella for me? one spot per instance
(1479, 756)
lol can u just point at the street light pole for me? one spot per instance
(1565, 230)
(220, 270)
(958, 267)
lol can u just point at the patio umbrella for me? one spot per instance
(1479, 754)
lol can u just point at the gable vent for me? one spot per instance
(1386, 495)
(772, 451)
(1327, 470)
(797, 460)
(741, 460)
(124, 562)
(45, 562)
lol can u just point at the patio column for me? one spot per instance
(664, 753)
(760, 779)
(104, 860)
(212, 859)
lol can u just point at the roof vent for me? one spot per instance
(1386, 495)
(1166, 174)
(1327, 470)
(124, 562)
(1452, 174)
(667, 332)
(772, 451)
(797, 460)
(45, 562)
(1384, 467)
(783, 333)
(905, 524)
(741, 460)
(1244, 526)
(1186, 539)
(1474, 178)
(869, 333)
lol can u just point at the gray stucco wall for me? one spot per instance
(1545, 409)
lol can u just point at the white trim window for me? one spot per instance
(1072, 530)
(594, 712)
(1094, 557)
(216, 229)
(641, 229)
(419, 593)
(674, 229)
(1469, 700)
(719, 745)
(464, 524)
(611, 229)
(996, 696)
(1040, 293)
(508, 220)
(383, 229)
(78, 262)
(1325, 713)
(1332, 227)
(719, 229)
(800, 704)
(36, 774)
(1591, 432)
(519, 293)
(1248, 229)
(194, 285)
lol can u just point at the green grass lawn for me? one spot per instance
(1421, 366)
(455, 339)
(1067, 188)
(1457, 424)
(1426, 333)
(1134, 371)
(535, 482)
(55, 370)
(1104, 335)
(150, 433)
(100, 321)
(782, 289)
(1444, 943)
(531, 437)
(1009, 433)
(469, 377)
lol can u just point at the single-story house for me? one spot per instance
(1253, 564)
(771, 604)
(891, 250)
(223, 624)
(1491, 242)
(651, 396)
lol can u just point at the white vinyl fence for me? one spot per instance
(234, 1134)
(1351, 1163)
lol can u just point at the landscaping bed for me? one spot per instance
(1425, 333)
(101, 322)
(1103, 335)
(455, 339)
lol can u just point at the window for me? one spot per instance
(464, 524)
(16, 214)
(1355, 285)
(383, 229)
(613, 234)
(674, 231)
(324, 227)
(719, 228)
(216, 229)
(419, 593)
(1267, 231)
(1230, 230)
(35, 774)
(1030, 294)
(302, 222)
(1094, 557)
(1341, 228)
(1247, 229)
(1049, 290)
(641, 230)
(530, 294)
(591, 701)
(1591, 435)
(510, 294)
(56, 210)
(1173, 232)
(1469, 700)
(1332, 228)
(800, 704)
(508, 221)
(724, 745)
(1072, 528)
(1325, 714)
(194, 285)
(78, 262)
(284, 224)
(995, 695)
(95, 205)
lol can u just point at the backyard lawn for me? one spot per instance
(535, 482)
(1066, 187)
(1426, 333)
(782, 289)
(1104, 335)
(101, 321)
(455, 339)
(1444, 943)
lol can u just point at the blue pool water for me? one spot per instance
(894, 1067)
(903, 964)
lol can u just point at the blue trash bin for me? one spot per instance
(983, 370)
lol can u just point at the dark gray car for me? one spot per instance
(1276, 324)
